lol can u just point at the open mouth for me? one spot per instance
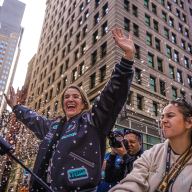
(71, 106)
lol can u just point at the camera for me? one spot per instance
(114, 140)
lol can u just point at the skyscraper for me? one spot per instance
(11, 13)
(76, 46)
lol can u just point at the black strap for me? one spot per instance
(171, 173)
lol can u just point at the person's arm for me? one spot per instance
(110, 167)
(38, 124)
(111, 100)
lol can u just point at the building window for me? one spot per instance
(138, 75)
(46, 97)
(103, 49)
(146, 3)
(78, 38)
(58, 88)
(105, 9)
(104, 29)
(81, 7)
(173, 38)
(169, 6)
(156, 25)
(149, 39)
(180, 28)
(164, 16)
(147, 20)
(166, 32)
(96, 19)
(84, 31)
(150, 60)
(190, 11)
(176, 56)
(95, 37)
(39, 104)
(64, 82)
(86, 15)
(160, 64)
(135, 30)
(184, 18)
(80, 21)
(155, 108)
(83, 48)
(183, 44)
(178, 13)
(74, 75)
(137, 51)
(154, 8)
(171, 22)
(135, 10)
(179, 76)
(97, 2)
(69, 47)
(189, 80)
(186, 62)
(71, 32)
(81, 68)
(158, 44)
(50, 94)
(76, 55)
(66, 64)
(102, 73)
(186, 33)
(190, 48)
(94, 57)
(152, 84)
(174, 93)
(92, 81)
(126, 24)
(171, 72)
(168, 52)
(126, 5)
(140, 102)
(162, 88)
(162, 2)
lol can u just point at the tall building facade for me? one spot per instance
(11, 13)
(76, 46)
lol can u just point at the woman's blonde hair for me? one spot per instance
(84, 97)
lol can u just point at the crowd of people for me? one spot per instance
(71, 156)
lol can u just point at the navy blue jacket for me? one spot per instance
(76, 147)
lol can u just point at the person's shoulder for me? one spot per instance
(156, 149)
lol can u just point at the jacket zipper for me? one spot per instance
(90, 164)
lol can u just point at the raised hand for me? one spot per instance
(125, 43)
(11, 98)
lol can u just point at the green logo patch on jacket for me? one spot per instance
(77, 174)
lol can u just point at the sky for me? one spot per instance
(32, 23)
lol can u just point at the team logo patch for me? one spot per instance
(77, 174)
(69, 135)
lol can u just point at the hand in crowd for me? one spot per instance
(11, 98)
(120, 151)
(125, 43)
